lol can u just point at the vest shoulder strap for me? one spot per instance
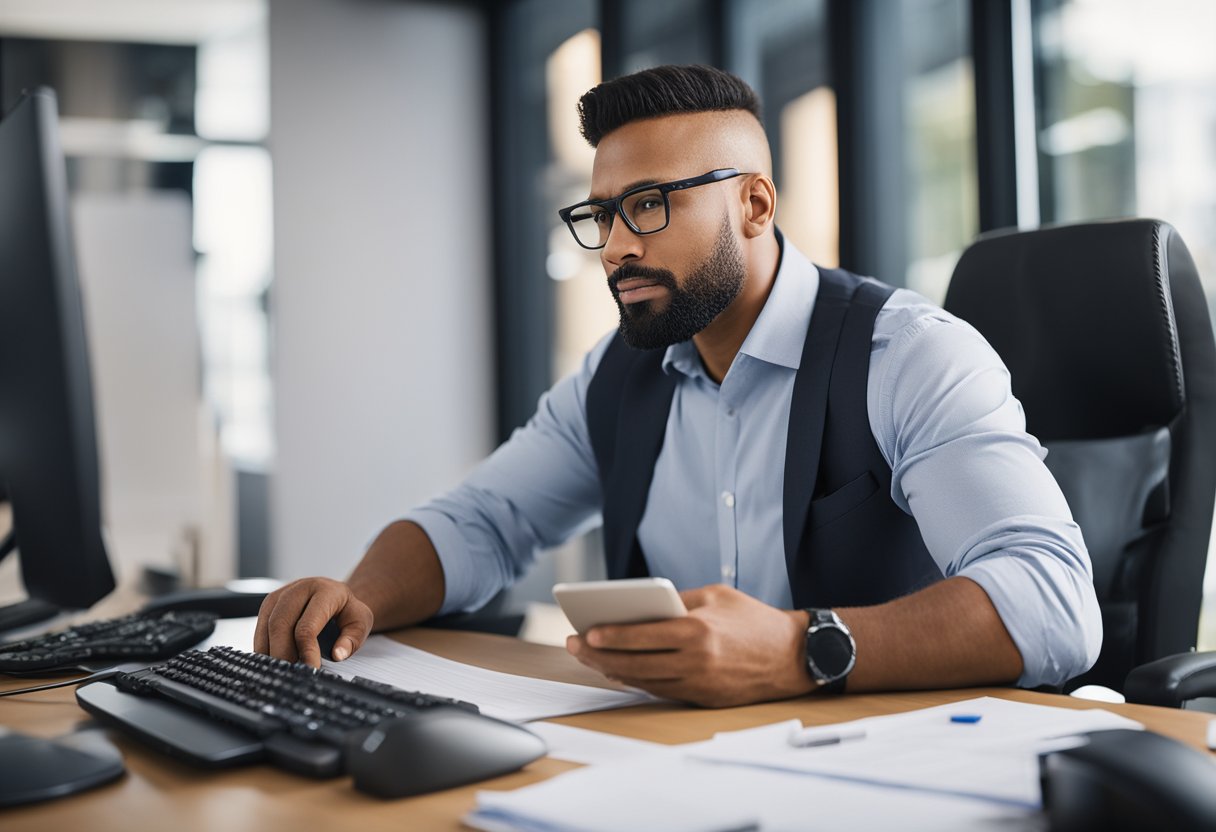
(627, 405)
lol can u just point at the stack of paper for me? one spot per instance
(672, 793)
(994, 757)
(919, 770)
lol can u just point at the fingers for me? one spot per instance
(707, 595)
(261, 633)
(282, 617)
(671, 634)
(680, 675)
(694, 598)
(291, 618)
(636, 667)
(355, 619)
(316, 615)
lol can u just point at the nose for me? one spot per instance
(622, 244)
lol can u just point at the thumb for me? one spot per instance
(694, 598)
(355, 627)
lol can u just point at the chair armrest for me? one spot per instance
(1172, 680)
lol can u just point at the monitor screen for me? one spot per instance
(48, 445)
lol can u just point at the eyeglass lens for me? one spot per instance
(646, 212)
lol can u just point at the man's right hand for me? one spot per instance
(292, 616)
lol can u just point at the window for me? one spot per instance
(1126, 127)
(939, 152)
(794, 83)
(583, 310)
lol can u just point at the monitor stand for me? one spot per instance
(37, 769)
(24, 613)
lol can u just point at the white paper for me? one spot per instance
(666, 791)
(579, 745)
(502, 695)
(994, 759)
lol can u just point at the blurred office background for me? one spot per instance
(323, 271)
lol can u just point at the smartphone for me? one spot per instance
(630, 601)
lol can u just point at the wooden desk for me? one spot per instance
(159, 793)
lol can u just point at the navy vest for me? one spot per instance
(846, 541)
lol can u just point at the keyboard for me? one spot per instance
(224, 706)
(131, 638)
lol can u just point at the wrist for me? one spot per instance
(798, 682)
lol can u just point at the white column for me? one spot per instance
(381, 345)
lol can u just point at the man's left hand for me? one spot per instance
(729, 650)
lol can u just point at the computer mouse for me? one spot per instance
(1129, 780)
(438, 748)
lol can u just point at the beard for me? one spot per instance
(709, 289)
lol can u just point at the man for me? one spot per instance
(836, 474)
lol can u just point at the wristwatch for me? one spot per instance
(830, 650)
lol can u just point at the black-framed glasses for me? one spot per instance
(645, 209)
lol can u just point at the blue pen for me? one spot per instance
(968, 719)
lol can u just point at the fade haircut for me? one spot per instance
(661, 91)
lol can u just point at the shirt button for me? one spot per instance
(730, 412)
(728, 572)
(728, 499)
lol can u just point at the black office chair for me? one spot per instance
(1105, 330)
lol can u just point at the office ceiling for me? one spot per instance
(140, 21)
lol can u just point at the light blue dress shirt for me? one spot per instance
(942, 413)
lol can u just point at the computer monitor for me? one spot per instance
(48, 442)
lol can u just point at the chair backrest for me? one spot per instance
(1106, 333)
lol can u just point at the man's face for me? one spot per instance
(670, 285)
(683, 306)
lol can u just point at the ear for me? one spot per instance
(759, 205)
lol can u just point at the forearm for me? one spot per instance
(946, 635)
(400, 577)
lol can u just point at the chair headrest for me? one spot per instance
(1083, 316)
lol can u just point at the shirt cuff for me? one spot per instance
(459, 583)
(1058, 639)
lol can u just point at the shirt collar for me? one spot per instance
(779, 332)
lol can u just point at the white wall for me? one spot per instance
(166, 492)
(381, 345)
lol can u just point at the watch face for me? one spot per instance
(831, 650)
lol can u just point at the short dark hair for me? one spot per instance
(661, 91)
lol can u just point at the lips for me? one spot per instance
(629, 284)
(638, 290)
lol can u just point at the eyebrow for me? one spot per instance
(638, 184)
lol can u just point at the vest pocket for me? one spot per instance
(841, 501)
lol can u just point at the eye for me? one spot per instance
(649, 203)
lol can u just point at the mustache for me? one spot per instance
(629, 271)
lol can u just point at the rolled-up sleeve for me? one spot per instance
(537, 490)
(988, 509)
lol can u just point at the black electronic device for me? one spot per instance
(1129, 780)
(48, 446)
(225, 603)
(131, 638)
(438, 749)
(225, 707)
(34, 769)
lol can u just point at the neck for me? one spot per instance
(719, 343)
